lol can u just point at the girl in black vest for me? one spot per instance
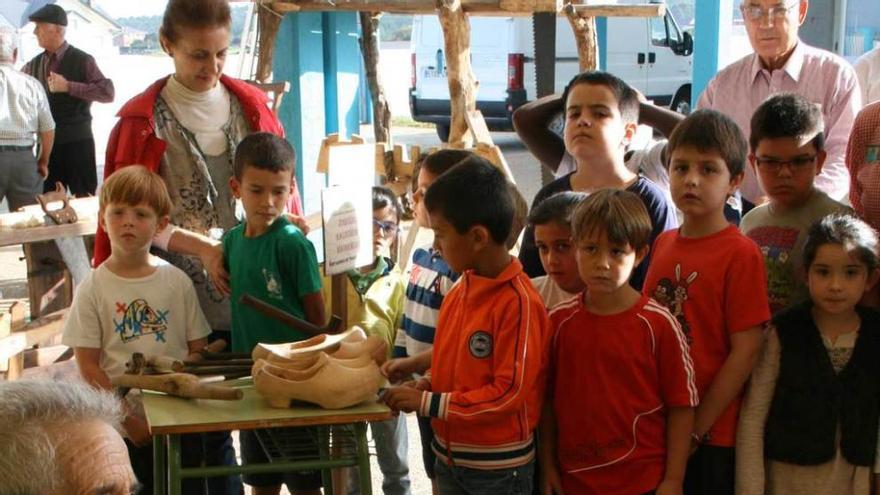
(810, 417)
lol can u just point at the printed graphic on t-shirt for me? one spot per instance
(273, 286)
(872, 154)
(673, 294)
(139, 319)
(777, 245)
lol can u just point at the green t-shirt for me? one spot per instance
(278, 267)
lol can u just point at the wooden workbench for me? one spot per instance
(170, 417)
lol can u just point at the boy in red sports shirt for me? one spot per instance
(621, 390)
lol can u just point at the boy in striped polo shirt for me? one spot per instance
(430, 279)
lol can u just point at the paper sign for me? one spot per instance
(353, 164)
(348, 228)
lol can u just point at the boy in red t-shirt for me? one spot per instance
(712, 279)
(621, 390)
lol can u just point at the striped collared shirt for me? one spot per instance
(24, 108)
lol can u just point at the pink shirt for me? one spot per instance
(818, 75)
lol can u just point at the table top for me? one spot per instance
(172, 415)
(86, 209)
(10, 237)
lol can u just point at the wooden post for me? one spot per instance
(585, 36)
(462, 83)
(269, 21)
(370, 51)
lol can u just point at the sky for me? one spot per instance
(129, 8)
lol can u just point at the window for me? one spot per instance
(659, 34)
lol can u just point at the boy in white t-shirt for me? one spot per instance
(135, 302)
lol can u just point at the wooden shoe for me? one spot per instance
(328, 384)
(318, 343)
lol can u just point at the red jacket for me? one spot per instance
(133, 140)
(488, 371)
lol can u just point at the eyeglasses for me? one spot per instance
(795, 164)
(756, 12)
(386, 228)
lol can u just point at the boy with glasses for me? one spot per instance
(787, 153)
(375, 303)
(782, 62)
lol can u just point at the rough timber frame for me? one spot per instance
(456, 32)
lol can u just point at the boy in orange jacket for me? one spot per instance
(486, 383)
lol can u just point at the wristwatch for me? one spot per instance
(700, 439)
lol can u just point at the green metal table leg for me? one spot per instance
(159, 471)
(324, 449)
(363, 454)
(174, 465)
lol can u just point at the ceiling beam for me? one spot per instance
(477, 7)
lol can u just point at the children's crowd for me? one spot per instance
(641, 343)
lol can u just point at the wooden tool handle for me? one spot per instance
(179, 385)
(217, 346)
(165, 364)
(280, 315)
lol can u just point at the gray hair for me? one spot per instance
(31, 412)
(8, 43)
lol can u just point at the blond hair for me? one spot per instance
(620, 214)
(134, 185)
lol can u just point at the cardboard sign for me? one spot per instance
(353, 164)
(348, 228)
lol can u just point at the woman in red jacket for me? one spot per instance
(185, 127)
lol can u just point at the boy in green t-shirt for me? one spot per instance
(270, 259)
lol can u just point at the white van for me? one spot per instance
(654, 55)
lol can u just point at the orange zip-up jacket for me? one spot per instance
(488, 371)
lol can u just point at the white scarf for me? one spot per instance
(203, 114)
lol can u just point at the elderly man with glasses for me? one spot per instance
(781, 62)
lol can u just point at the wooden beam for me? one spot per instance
(481, 7)
(370, 52)
(644, 10)
(585, 37)
(511, 7)
(459, 74)
(37, 332)
(284, 7)
(268, 21)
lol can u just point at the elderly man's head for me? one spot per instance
(8, 45)
(61, 437)
(49, 36)
(773, 27)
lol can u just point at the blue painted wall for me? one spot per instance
(602, 36)
(318, 54)
(342, 73)
(713, 23)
